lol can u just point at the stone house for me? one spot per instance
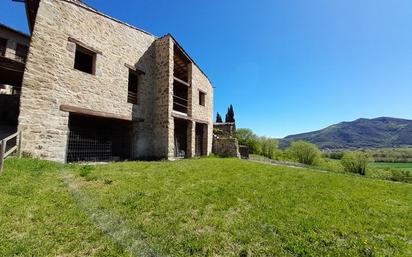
(98, 89)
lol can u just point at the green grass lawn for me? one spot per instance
(399, 166)
(206, 207)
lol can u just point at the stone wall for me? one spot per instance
(227, 128)
(50, 79)
(163, 122)
(226, 147)
(202, 114)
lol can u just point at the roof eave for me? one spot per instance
(188, 56)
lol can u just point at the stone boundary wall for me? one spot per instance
(226, 147)
(226, 128)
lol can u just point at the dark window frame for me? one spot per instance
(133, 87)
(202, 98)
(85, 60)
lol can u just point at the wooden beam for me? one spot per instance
(176, 114)
(88, 112)
(201, 121)
(180, 115)
(133, 68)
(181, 81)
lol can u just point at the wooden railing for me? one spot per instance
(180, 104)
(4, 152)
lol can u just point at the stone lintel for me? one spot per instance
(77, 42)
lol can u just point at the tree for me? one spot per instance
(356, 162)
(230, 115)
(265, 146)
(218, 118)
(246, 137)
(305, 152)
(227, 118)
(269, 146)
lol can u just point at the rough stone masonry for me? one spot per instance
(56, 94)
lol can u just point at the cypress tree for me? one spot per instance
(227, 118)
(218, 118)
(231, 114)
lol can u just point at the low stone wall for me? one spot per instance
(226, 147)
(225, 129)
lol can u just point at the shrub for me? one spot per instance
(246, 137)
(356, 162)
(265, 146)
(330, 165)
(392, 154)
(304, 152)
(269, 147)
(333, 155)
(401, 176)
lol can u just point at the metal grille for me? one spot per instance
(84, 146)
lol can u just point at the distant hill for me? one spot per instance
(361, 133)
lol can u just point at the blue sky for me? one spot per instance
(287, 66)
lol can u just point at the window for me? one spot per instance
(202, 98)
(85, 60)
(132, 87)
(3, 46)
(21, 52)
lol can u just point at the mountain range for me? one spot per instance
(361, 133)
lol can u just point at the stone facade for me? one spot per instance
(51, 81)
(163, 122)
(226, 128)
(202, 114)
(224, 142)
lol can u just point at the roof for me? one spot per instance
(187, 55)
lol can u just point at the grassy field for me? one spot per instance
(399, 166)
(206, 207)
